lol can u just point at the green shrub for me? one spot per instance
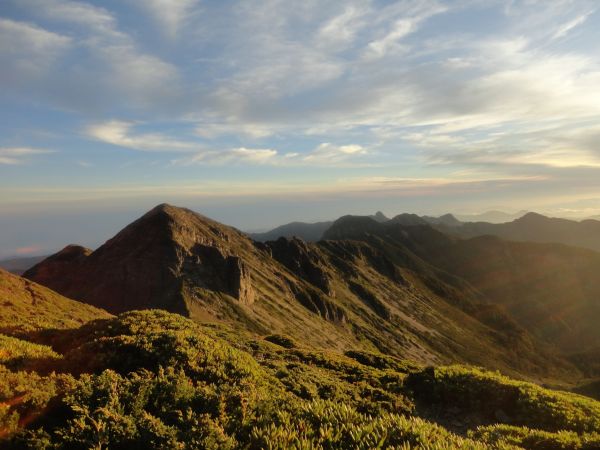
(535, 439)
(19, 354)
(487, 393)
(379, 361)
(330, 425)
(26, 398)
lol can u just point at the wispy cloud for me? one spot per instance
(29, 250)
(235, 155)
(566, 28)
(27, 52)
(170, 15)
(324, 155)
(327, 153)
(19, 155)
(122, 134)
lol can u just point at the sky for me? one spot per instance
(261, 112)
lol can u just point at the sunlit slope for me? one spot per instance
(27, 306)
(152, 380)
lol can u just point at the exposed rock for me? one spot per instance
(370, 299)
(318, 303)
(304, 261)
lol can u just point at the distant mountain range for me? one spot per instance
(533, 227)
(491, 216)
(310, 232)
(528, 227)
(20, 265)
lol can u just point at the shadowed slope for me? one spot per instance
(550, 290)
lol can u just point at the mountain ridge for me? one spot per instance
(339, 292)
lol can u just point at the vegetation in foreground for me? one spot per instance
(151, 379)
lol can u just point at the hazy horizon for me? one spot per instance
(94, 227)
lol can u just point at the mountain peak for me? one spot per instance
(408, 219)
(146, 264)
(531, 217)
(380, 217)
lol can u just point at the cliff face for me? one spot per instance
(304, 261)
(148, 262)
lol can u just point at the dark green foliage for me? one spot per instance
(19, 354)
(26, 398)
(154, 380)
(589, 389)
(535, 439)
(497, 398)
(283, 341)
(382, 361)
(327, 425)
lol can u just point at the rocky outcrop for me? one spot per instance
(209, 267)
(370, 299)
(303, 260)
(317, 302)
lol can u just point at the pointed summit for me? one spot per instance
(145, 265)
(380, 217)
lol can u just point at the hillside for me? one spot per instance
(550, 290)
(491, 216)
(310, 232)
(332, 294)
(27, 306)
(154, 380)
(534, 227)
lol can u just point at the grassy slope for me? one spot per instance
(27, 306)
(157, 380)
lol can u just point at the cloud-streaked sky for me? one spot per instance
(260, 111)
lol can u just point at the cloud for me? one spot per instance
(566, 28)
(413, 14)
(340, 31)
(327, 153)
(29, 250)
(324, 155)
(171, 15)
(111, 68)
(241, 155)
(19, 155)
(122, 134)
(265, 84)
(82, 14)
(27, 51)
(251, 130)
